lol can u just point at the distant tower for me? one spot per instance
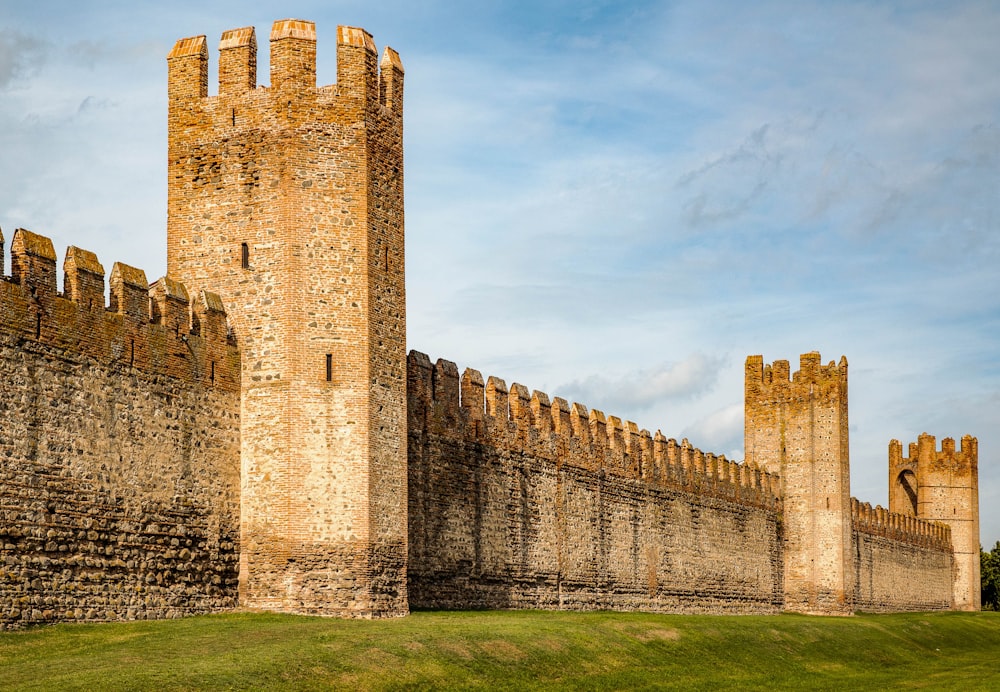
(798, 428)
(288, 201)
(943, 486)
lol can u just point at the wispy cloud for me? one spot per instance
(641, 389)
(721, 431)
(20, 56)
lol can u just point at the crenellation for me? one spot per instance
(446, 389)
(473, 394)
(129, 292)
(33, 262)
(208, 318)
(419, 389)
(238, 61)
(497, 401)
(541, 414)
(188, 68)
(391, 82)
(580, 423)
(83, 278)
(293, 55)
(520, 411)
(322, 469)
(170, 305)
(562, 424)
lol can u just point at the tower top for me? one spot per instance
(292, 59)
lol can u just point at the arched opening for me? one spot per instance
(907, 481)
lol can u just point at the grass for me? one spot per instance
(511, 650)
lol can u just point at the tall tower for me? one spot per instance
(798, 428)
(943, 486)
(287, 200)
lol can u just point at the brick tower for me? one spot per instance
(287, 200)
(798, 427)
(943, 486)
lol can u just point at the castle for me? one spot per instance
(249, 431)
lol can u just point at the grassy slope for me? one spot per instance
(512, 650)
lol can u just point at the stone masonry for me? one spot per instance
(288, 201)
(248, 431)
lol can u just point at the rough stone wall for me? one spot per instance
(518, 502)
(798, 427)
(119, 439)
(943, 486)
(288, 201)
(900, 563)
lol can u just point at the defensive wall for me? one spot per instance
(519, 501)
(119, 444)
(522, 501)
(150, 469)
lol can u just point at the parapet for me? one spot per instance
(772, 382)
(903, 528)
(484, 411)
(292, 72)
(154, 328)
(924, 452)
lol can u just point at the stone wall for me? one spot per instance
(119, 441)
(287, 199)
(901, 563)
(518, 502)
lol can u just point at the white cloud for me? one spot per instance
(720, 431)
(641, 389)
(20, 56)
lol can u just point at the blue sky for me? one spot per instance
(615, 203)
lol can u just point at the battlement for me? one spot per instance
(925, 451)
(774, 382)
(486, 411)
(879, 521)
(156, 328)
(363, 81)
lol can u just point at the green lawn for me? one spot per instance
(512, 650)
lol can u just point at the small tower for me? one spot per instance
(287, 200)
(943, 486)
(798, 428)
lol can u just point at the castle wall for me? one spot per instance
(901, 563)
(518, 502)
(119, 440)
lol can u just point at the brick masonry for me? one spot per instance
(288, 201)
(150, 469)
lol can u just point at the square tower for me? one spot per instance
(943, 486)
(798, 427)
(287, 200)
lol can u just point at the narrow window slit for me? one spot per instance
(245, 255)
(38, 325)
(211, 375)
(329, 367)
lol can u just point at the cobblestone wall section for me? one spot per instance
(526, 501)
(119, 439)
(901, 563)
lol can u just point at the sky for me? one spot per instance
(612, 202)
